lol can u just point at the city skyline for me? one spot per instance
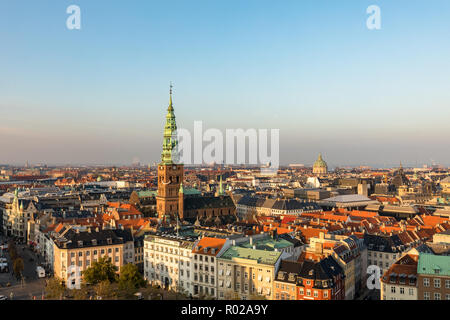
(98, 95)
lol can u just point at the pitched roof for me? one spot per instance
(433, 264)
(207, 244)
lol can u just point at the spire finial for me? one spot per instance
(170, 93)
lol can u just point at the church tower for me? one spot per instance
(170, 172)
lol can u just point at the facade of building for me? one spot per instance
(205, 254)
(244, 272)
(433, 273)
(80, 249)
(351, 255)
(399, 282)
(285, 283)
(168, 261)
(321, 280)
(383, 250)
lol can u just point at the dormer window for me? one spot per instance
(80, 243)
(94, 242)
(109, 241)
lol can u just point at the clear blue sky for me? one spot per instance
(310, 68)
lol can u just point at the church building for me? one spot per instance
(172, 202)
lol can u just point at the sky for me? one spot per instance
(310, 68)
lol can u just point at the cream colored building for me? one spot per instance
(168, 261)
(76, 249)
(246, 272)
(399, 282)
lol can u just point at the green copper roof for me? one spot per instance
(191, 191)
(267, 244)
(319, 162)
(433, 264)
(147, 193)
(262, 256)
(169, 154)
(221, 193)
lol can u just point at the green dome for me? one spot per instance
(320, 163)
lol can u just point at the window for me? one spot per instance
(402, 290)
(437, 296)
(426, 282)
(447, 284)
(411, 292)
(426, 296)
(392, 289)
(437, 283)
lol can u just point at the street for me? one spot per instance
(32, 286)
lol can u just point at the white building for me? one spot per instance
(167, 261)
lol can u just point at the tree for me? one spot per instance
(54, 289)
(12, 250)
(130, 277)
(18, 267)
(81, 294)
(232, 295)
(204, 296)
(257, 297)
(100, 270)
(105, 290)
(134, 199)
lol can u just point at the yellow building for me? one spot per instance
(76, 249)
(247, 272)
